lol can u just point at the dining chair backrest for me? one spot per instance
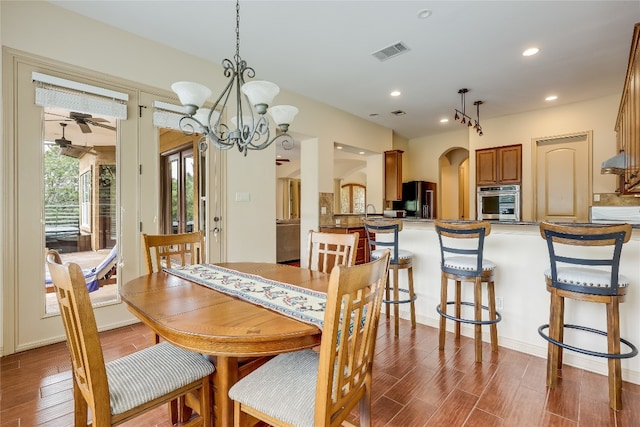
(449, 235)
(383, 233)
(354, 299)
(588, 235)
(326, 250)
(87, 360)
(167, 250)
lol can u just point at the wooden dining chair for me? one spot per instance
(122, 389)
(326, 250)
(166, 250)
(307, 388)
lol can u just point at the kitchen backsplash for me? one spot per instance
(612, 199)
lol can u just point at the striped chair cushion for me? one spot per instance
(468, 263)
(153, 372)
(283, 388)
(588, 277)
(402, 254)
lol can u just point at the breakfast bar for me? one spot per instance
(522, 298)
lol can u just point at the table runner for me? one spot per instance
(299, 303)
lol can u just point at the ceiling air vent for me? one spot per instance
(391, 51)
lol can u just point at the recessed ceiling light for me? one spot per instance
(551, 98)
(373, 114)
(395, 93)
(444, 120)
(424, 13)
(339, 147)
(531, 51)
(361, 152)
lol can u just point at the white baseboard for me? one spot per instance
(61, 338)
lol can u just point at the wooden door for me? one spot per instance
(563, 178)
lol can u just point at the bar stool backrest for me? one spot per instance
(558, 235)
(449, 231)
(383, 233)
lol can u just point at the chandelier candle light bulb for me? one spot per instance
(252, 132)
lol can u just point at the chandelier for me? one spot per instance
(462, 116)
(249, 128)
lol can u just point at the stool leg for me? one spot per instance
(555, 325)
(412, 295)
(443, 306)
(477, 304)
(613, 346)
(387, 295)
(492, 315)
(396, 297)
(458, 306)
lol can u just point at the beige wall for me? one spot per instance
(597, 115)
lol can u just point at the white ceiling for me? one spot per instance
(322, 49)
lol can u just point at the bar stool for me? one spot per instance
(381, 234)
(467, 264)
(570, 276)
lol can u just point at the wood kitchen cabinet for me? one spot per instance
(628, 122)
(362, 255)
(499, 165)
(393, 175)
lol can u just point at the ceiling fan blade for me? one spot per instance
(94, 123)
(84, 127)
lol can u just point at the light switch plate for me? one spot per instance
(323, 210)
(243, 197)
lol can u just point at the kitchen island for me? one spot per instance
(521, 257)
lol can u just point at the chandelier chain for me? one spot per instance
(237, 57)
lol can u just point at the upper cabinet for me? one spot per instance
(393, 175)
(499, 165)
(628, 122)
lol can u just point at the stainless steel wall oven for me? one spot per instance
(499, 203)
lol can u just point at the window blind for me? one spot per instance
(55, 92)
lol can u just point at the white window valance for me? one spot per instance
(55, 92)
(167, 115)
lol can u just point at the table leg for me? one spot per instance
(225, 376)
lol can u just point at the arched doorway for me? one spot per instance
(454, 184)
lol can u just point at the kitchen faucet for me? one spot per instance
(366, 210)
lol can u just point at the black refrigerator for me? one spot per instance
(418, 199)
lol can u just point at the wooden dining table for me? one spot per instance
(201, 319)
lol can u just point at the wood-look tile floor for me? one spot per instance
(414, 384)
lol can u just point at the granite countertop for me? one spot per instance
(534, 223)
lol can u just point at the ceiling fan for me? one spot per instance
(84, 121)
(67, 148)
(280, 161)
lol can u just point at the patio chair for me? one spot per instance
(96, 277)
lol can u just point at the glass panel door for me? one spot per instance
(80, 187)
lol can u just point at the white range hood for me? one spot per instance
(615, 214)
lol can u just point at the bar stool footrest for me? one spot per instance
(471, 321)
(401, 301)
(632, 353)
